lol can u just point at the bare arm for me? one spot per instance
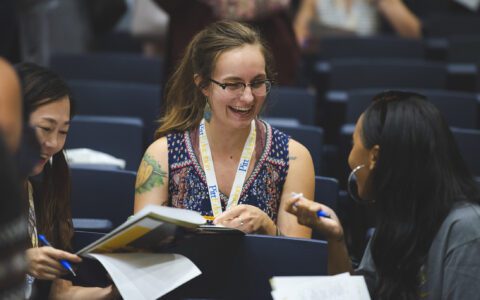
(405, 23)
(300, 179)
(151, 186)
(63, 289)
(306, 212)
(305, 14)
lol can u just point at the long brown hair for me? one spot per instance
(41, 86)
(184, 101)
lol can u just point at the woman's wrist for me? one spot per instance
(269, 228)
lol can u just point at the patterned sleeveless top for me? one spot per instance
(187, 186)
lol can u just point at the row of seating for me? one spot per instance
(114, 194)
(453, 49)
(127, 137)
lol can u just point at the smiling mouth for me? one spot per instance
(241, 110)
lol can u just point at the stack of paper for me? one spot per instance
(339, 287)
(147, 276)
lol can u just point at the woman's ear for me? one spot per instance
(373, 156)
(198, 80)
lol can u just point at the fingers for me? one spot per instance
(59, 254)
(44, 262)
(41, 265)
(291, 203)
(230, 214)
(48, 272)
(244, 217)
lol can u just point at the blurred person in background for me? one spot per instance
(270, 17)
(317, 18)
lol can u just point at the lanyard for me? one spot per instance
(207, 160)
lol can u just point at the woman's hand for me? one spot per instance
(44, 262)
(247, 218)
(306, 212)
(112, 292)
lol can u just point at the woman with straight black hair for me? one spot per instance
(427, 235)
(49, 108)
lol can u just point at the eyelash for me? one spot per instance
(49, 129)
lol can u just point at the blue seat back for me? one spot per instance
(102, 194)
(468, 141)
(119, 99)
(123, 67)
(459, 108)
(312, 138)
(370, 47)
(121, 137)
(294, 103)
(347, 74)
(326, 192)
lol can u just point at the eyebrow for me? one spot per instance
(53, 121)
(256, 77)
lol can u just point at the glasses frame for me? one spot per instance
(267, 82)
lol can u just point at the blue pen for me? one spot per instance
(63, 262)
(320, 213)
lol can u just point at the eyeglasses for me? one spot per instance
(258, 87)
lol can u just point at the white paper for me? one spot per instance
(340, 287)
(147, 275)
(470, 4)
(289, 282)
(89, 156)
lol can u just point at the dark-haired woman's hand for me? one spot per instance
(247, 218)
(44, 262)
(306, 212)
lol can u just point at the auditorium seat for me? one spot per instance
(121, 137)
(119, 99)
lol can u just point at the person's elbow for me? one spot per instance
(412, 31)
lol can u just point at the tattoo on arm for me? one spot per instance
(292, 157)
(149, 175)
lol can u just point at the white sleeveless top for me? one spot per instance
(362, 17)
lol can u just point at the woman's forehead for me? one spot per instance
(240, 62)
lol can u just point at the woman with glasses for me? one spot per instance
(407, 164)
(212, 153)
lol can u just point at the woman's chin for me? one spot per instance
(38, 168)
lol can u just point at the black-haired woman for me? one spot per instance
(427, 235)
(49, 109)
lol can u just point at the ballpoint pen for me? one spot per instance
(320, 213)
(65, 264)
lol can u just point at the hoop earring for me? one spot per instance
(207, 111)
(352, 188)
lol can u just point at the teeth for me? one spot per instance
(241, 108)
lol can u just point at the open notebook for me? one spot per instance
(130, 253)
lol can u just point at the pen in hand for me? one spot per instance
(65, 264)
(320, 213)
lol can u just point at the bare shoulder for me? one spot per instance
(158, 147)
(297, 151)
(151, 186)
(156, 158)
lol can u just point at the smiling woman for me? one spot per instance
(212, 153)
(49, 109)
